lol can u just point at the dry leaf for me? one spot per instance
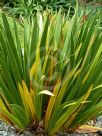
(88, 129)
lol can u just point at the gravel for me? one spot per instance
(7, 130)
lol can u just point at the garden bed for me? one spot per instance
(7, 130)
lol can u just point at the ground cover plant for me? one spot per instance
(54, 79)
(29, 7)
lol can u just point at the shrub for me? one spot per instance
(54, 79)
(29, 7)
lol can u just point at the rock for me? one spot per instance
(98, 124)
(13, 134)
(27, 133)
(62, 134)
(5, 134)
(74, 134)
(100, 132)
(21, 135)
(99, 119)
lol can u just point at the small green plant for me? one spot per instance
(54, 79)
(29, 7)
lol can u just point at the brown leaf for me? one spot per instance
(88, 129)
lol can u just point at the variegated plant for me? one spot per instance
(54, 79)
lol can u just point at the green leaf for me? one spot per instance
(21, 114)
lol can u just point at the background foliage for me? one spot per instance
(28, 7)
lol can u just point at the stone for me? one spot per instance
(27, 133)
(13, 134)
(100, 132)
(98, 124)
(98, 119)
(21, 135)
(74, 134)
(5, 134)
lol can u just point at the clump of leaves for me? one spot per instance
(29, 7)
(54, 79)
